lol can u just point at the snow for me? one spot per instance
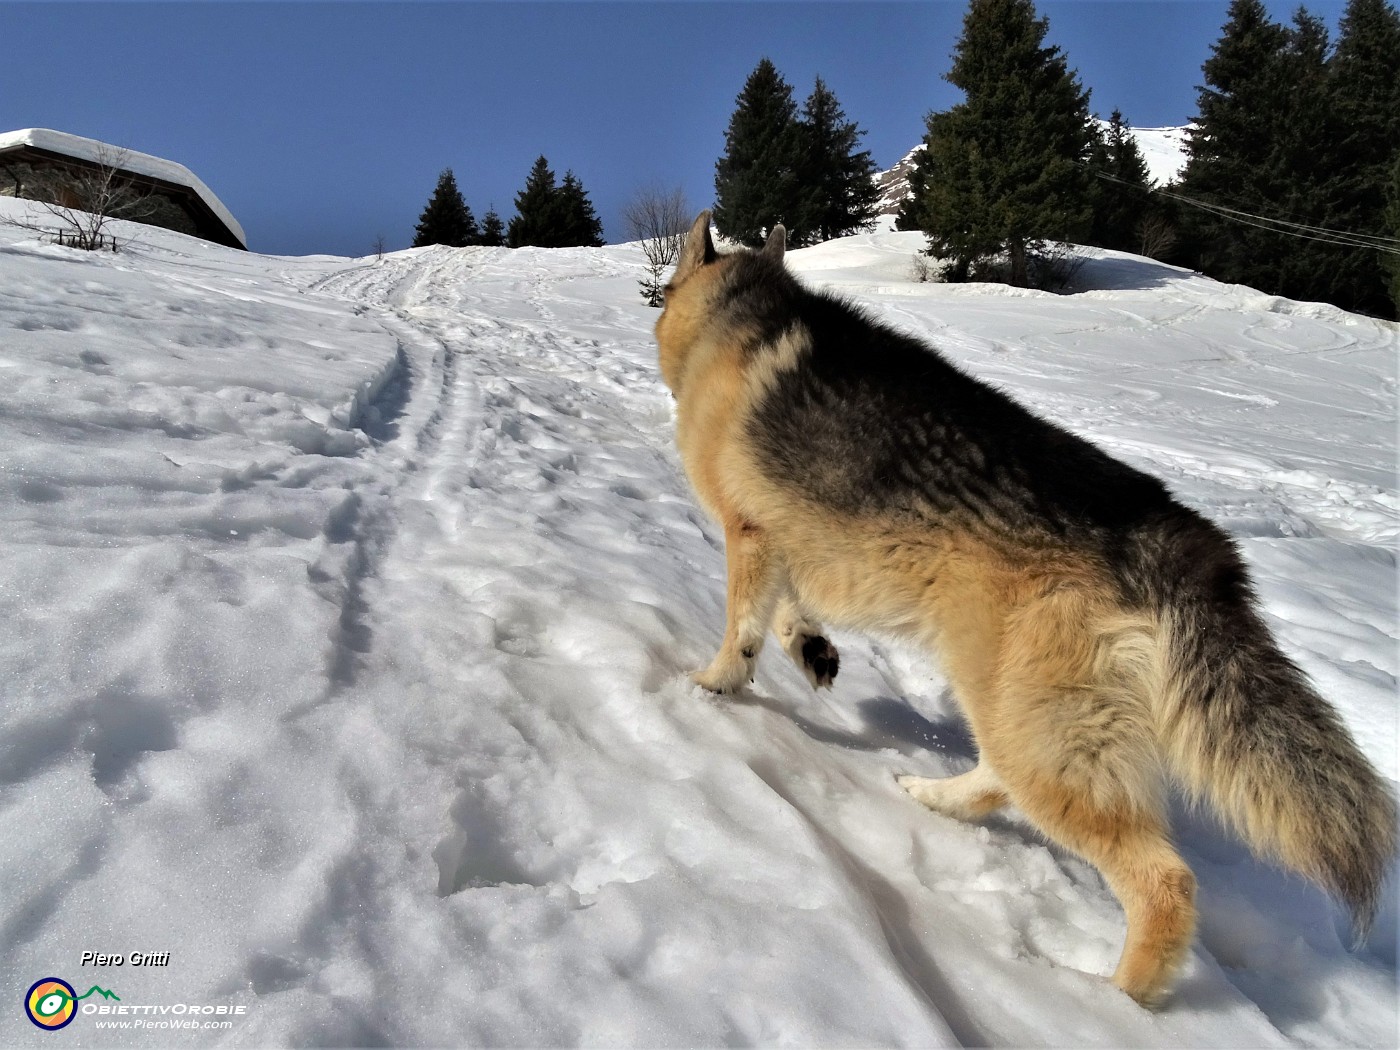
(348, 610)
(130, 160)
(1164, 150)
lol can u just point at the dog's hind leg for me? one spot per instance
(1073, 742)
(967, 796)
(755, 582)
(1152, 882)
(805, 643)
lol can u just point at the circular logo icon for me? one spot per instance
(51, 1003)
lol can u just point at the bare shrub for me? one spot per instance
(925, 270)
(659, 219)
(1156, 236)
(1055, 266)
(80, 202)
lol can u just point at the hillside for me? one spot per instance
(349, 604)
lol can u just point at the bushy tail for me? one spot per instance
(1244, 730)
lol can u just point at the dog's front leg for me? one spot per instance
(755, 578)
(805, 643)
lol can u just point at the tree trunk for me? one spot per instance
(1020, 274)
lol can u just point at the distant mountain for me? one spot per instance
(1164, 150)
(894, 183)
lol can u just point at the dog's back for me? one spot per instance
(1098, 633)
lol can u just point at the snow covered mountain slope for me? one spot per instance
(348, 608)
(1164, 150)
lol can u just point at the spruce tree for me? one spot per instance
(1004, 171)
(756, 183)
(493, 230)
(1365, 95)
(1301, 182)
(536, 207)
(1391, 230)
(1228, 144)
(579, 225)
(1291, 152)
(446, 219)
(836, 183)
(1122, 197)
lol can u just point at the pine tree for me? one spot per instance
(1392, 230)
(1004, 172)
(756, 181)
(1297, 140)
(1228, 144)
(1365, 83)
(579, 225)
(446, 219)
(493, 231)
(536, 209)
(1301, 179)
(1122, 199)
(837, 184)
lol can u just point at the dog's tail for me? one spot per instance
(1244, 730)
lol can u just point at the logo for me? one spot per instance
(52, 1003)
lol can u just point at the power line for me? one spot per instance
(1340, 238)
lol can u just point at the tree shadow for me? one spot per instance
(1121, 273)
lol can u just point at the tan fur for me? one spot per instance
(1051, 671)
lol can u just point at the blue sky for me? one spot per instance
(325, 125)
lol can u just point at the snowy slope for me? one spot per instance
(1164, 150)
(349, 604)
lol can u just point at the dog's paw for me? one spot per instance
(919, 787)
(819, 662)
(723, 678)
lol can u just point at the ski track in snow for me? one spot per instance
(458, 790)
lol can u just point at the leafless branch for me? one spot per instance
(80, 201)
(659, 219)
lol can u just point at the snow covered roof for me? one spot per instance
(96, 152)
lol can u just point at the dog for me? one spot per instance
(1101, 638)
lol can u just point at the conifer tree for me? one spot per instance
(579, 225)
(446, 219)
(1301, 182)
(493, 230)
(836, 183)
(756, 179)
(1296, 141)
(1228, 145)
(1122, 198)
(1003, 172)
(536, 208)
(1365, 98)
(1391, 258)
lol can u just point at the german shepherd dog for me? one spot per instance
(1100, 636)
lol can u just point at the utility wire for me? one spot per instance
(1341, 238)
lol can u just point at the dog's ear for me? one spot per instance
(777, 244)
(699, 248)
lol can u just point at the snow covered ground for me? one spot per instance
(348, 606)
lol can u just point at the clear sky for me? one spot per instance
(324, 125)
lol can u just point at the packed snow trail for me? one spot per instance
(411, 758)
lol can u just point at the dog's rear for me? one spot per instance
(1097, 633)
